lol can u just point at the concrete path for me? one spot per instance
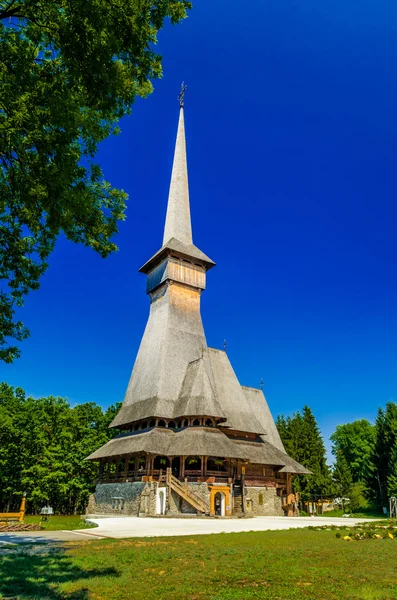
(155, 527)
(126, 527)
(37, 537)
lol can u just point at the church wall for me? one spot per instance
(271, 503)
(122, 499)
(139, 498)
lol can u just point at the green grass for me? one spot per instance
(277, 565)
(56, 522)
(365, 514)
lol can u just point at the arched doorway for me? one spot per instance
(160, 501)
(220, 504)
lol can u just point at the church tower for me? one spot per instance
(192, 438)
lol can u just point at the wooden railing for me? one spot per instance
(185, 493)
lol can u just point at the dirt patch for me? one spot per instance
(12, 527)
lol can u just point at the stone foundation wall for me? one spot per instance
(271, 506)
(139, 498)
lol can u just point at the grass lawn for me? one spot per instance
(365, 514)
(56, 522)
(283, 565)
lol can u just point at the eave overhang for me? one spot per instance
(183, 251)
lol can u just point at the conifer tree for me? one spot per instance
(342, 478)
(380, 479)
(302, 440)
(392, 476)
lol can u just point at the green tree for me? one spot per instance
(355, 441)
(302, 440)
(43, 446)
(342, 479)
(392, 475)
(69, 70)
(380, 479)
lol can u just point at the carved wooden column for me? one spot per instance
(202, 465)
(290, 511)
(183, 466)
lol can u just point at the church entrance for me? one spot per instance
(160, 501)
(220, 496)
(220, 502)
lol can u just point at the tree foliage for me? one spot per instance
(302, 440)
(355, 443)
(43, 446)
(342, 478)
(382, 473)
(69, 70)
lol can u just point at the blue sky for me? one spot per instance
(291, 131)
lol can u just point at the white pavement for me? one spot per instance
(126, 527)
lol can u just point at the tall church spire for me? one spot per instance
(178, 224)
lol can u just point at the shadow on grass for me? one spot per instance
(38, 576)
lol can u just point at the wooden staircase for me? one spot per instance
(184, 492)
(237, 501)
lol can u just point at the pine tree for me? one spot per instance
(382, 465)
(302, 440)
(392, 476)
(342, 479)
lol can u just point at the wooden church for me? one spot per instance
(193, 440)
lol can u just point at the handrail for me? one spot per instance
(183, 491)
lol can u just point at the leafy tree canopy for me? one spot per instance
(69, 70)
(355, 442)
(43, 446)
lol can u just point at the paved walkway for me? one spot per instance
(36, 537)
(148, 527)
(126, 527)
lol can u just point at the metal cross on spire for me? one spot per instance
(181, 96)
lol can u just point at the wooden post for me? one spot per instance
(242, 488)
(183, 467)
(202, 465)
(205, 466)
(290, 511)
(22, 508)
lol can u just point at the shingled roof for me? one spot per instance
(197, 441)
